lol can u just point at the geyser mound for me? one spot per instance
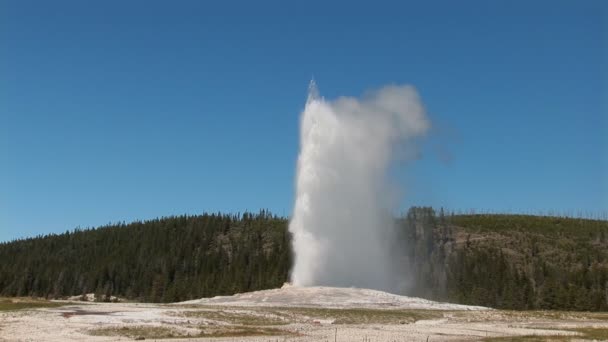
(342, 223)
(328, 297)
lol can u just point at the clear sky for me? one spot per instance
(124, 110)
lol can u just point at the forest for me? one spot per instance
(502, 261)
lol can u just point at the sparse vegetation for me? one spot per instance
(598, 334)
(554, 315)
(361, 315)
(529, 338)
(12, 304)
(250, 318)
(262, 316)
(137, 332)
(162, 332)
(591, 334)
(309, 323)
(239, 331)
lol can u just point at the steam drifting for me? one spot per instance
(342, 221)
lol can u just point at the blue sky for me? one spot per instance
(124, 110)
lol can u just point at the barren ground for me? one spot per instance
(321, 314)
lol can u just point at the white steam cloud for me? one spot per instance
(342, 222)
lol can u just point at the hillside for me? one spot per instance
(503, 261)
(511, 261)
(162, 260)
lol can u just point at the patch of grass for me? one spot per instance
(12, 304)
(156, 332)
(240, 331)
(600, 334)
(365, 316)
(595, 334)
(137, 332)
(270, 316)
(238, 318)
(553, 315)
(528, 339)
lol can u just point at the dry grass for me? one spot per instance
(268, 316)
(160, 332)
(250, 318)
(591, 334)
(529, 339)
(599, 334)
(359, 316)
(137, 332)
(20, 303)
(240, 331)
(527, 316)
(558, 315)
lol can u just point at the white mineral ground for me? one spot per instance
(75, 321)
(329, 297)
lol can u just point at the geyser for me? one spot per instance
(342, 222)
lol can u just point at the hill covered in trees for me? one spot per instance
(503, 261)
(162, 260)
(509, 261)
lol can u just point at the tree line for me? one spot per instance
(501, 261)
(162, 260)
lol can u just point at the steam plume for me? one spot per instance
(342, 220)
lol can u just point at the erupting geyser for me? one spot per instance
(342, 221)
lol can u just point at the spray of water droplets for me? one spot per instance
(342, 222)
